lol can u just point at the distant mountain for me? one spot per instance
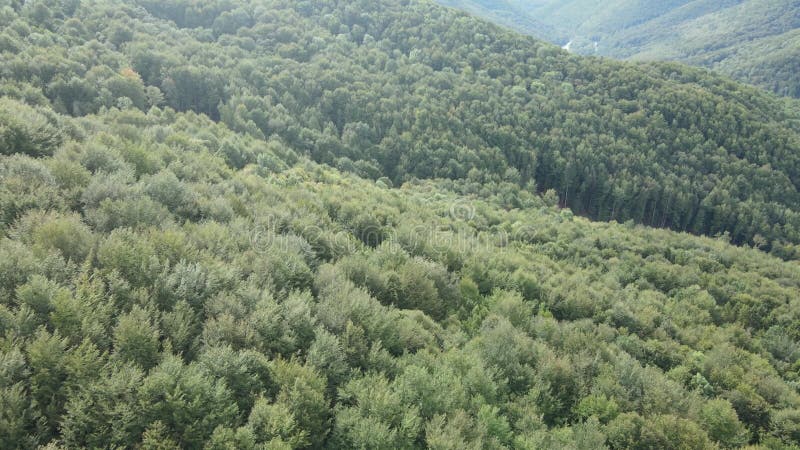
(755, 41)
(512, 14)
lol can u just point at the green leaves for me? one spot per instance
(372, 415)
(27, 130)
(722, 424)
(170, 281)
(186, 400)
(136, 339)
(240, 332)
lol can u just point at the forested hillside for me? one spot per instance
(410, 90)
(755, 41)
(168, 283)
(283, 224)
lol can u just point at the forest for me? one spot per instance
(753, 41)
(384, 224)
(410, 90)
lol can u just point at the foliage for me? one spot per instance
(417, 92)
(169, 280)
(754, 41)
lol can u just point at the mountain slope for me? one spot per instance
(751, 40)
(176, 270)
(166, 282)
(416, 91)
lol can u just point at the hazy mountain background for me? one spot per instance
(755, 41)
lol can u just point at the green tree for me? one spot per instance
(722, 424)
(136, 339)
(187, 401)
(27, 130)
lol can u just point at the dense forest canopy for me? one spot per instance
(754, 41)
(281, 224)
(166, 282)
(412, 90)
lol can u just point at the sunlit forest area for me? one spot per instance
(274, 224)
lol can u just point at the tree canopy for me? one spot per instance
(409, 90)
(753, 41)
(288, 237)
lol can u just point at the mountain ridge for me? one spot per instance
(689, 31)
